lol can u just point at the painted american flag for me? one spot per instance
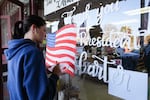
(61, 48)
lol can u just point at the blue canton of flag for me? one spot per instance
(51, 39)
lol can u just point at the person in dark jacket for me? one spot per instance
(27, 76)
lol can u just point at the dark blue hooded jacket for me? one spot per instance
(27, 78)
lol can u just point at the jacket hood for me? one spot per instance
(15, 45)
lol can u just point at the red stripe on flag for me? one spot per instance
(69, 72)
(69, 63)
(51, 60)
(60, 56)
(66, 41)
(66, 27)
(66, 34)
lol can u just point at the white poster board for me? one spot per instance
(54, 5)
(128, 85)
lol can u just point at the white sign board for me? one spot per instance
(54, 5)
(128, 85)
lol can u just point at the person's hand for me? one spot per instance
(57, 70)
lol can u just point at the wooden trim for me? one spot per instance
(33, 7)
(1, 70)
(31, 4)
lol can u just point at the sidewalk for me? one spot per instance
(92, 89)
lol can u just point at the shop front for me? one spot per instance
(111, 38)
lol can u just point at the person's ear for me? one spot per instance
(33, 28)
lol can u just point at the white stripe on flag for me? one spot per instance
(65, 44)
(66, 38)
(59, 52)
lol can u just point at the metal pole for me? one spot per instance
(142, 4)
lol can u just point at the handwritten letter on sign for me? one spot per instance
(128, 85)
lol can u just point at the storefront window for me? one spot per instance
(5, 36)
(9, 15)
(112, 37)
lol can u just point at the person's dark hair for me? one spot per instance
(22, 27)
(32, 19)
